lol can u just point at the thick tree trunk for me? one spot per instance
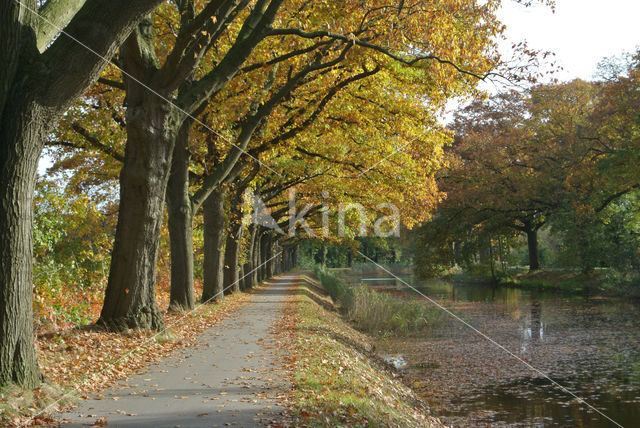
(247, 266)
(284, 260)
(263, 258)
(241, 278)
(532, 244)
(20, 147)
(130, 300)
(181, 225)
(35, 90)
(276, 261)
(212, 288)
(294, 263)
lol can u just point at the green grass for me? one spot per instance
(339, 381)
(376, 312)
(336, 288)
(382, 314)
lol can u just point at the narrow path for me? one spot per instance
(226, 380)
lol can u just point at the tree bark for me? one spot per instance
(241, 278)
(246, 267)
(212, 289)
(232, 249)
(532, 244)
(231, 275)
(268, 257)
(263, 257)
(130, 295)
(18, 166)
(294, 259)
(249, 270)
(256, 276)
(152, 126)
(35, 90)
(181, 225)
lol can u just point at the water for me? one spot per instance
(591, 346)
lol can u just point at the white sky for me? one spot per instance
(580, 32)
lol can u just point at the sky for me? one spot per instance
(580, 32)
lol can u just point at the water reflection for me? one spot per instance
(588, 345)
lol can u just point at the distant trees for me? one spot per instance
(557, 155)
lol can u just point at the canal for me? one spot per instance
(589, 345)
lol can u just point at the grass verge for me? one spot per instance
(338, 379)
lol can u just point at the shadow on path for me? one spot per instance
(225, 380)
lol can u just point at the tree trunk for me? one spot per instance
(241, 278)
(232, 249)
(247, 266)
(269, 261)
(20, 147)
(181, 225)
(276, 261)
(35, 90)
(230, 272)
(212, 288)
(130, 295)
(255, 274)
(532, 244)
(263, 257)
(323, 256)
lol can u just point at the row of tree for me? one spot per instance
(184, 105)
(561, 156)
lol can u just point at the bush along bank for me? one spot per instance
(339, 381)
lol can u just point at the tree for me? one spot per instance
(154, 118)
(512, 157)
(178, 68)
(599, 222)
(41, 78)
(304, 85)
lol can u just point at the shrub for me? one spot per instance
(336, 288)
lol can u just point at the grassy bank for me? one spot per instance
(598, 282)
(376, 312)
(338, 379)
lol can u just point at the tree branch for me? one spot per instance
(97, 30)
(52, 16)
(112, 83)
(385, 51)
(96, 143)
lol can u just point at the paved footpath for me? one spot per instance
(223, 381)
